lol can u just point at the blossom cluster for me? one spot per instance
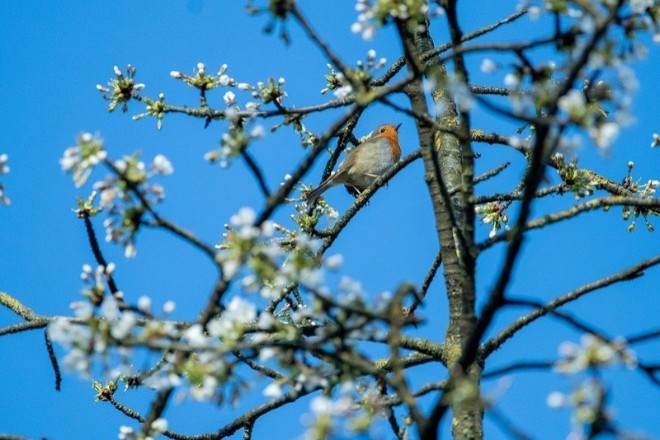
(645, 191)
(493, 213)
(81, 158)
(577, 180)
(589, 396)
(374, 14)
(232, 143)
(121, 88)
(360, 76)
(126, 194)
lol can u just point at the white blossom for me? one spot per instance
(240, 310)
(126, 433)
(488, 65)
(195, 336)
(162, 165)
(130, 251)
(656, 140)
(124, 326)
(224, 80)
(273, 390)
(556, 399)
(605, 134)
(574, 102)
(206, 390)
(266, 352)
(4, 169)
(160, 424)
(245, 217)
(144, 303)
(229, 98)
(258, 132)
(343, 91)
(230, 267)
(169, 307)
(109, 308)
(511, 80)
(334, 262)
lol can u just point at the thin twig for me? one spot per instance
(98, 255)
(517, 366)
(53, 361)
(256, 172)
(428, 279)
(492, 173)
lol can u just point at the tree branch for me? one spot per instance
(627, 274)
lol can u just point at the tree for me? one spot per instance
(270, 309)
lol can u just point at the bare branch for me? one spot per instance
(518, 366)
(53, 361)
(256, 172)
(627, 274)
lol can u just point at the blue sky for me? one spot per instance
(52, 56)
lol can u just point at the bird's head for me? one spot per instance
(391, 133)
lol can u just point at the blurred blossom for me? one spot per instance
(109, 308)
(83, 157)
(574, 103)
(343, 91)
(592, 352)
(126, 433)
(258, 132)
(364, 24)
(4, 168)
(488, 65)
(273, 390)
(195, 336)
(169, 307)
(206, 389)
(123, 327)
(161, 165)
(229, 325)
(159, 425)
(144, 303)
(605, 134)
(511, 80)
(350, 286)
(334, 262)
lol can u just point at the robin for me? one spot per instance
(364, 163)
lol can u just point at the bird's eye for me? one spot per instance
(382, 130)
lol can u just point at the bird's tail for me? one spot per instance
(316, 192)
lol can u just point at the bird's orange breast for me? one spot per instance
(393, 139)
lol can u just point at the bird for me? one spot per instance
(365, 163)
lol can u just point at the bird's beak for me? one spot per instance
(397, 127)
